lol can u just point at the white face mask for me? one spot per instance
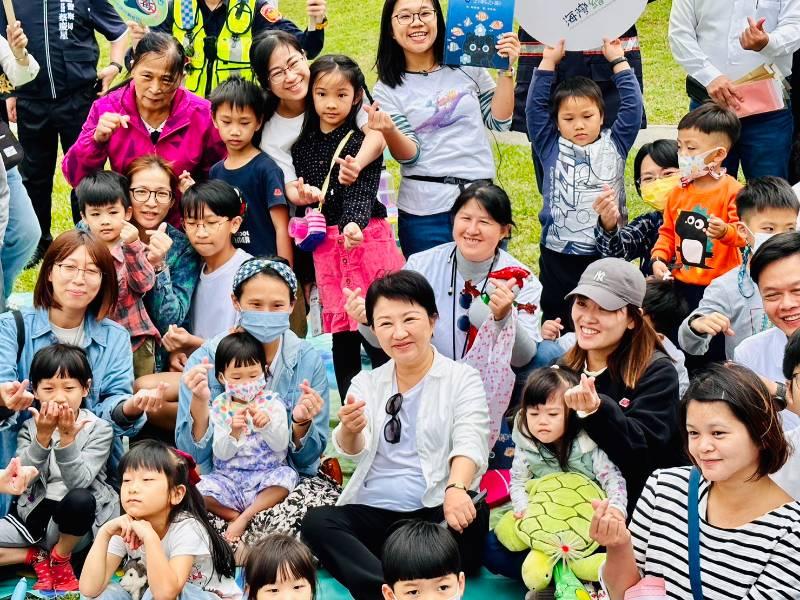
(760, 238)
(695, 167)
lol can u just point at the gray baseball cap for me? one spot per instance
(611, 282)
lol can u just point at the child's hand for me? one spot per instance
(129, 234)
(260, 418)
(15, 478)
(712, 324)
(353, 416)
(551, 56)
(378, 120)
(612, 49)
(607, 208)
(307, 194)
(176, 338)
(68, 426)
(143, 530)
(551, 329)
(349, 169)
(15, 395)
(354, 305)
(661, 270)
(606, 528)
(502, 298)
(238, 424)
(717, 228)
(353, 236)
(583, 397)
(107, 124)
(185, 181)
(123, 527)
(46, 419)
(158, 246)
(308, 405)
(509, 47)
(196, 379)
(519, 514)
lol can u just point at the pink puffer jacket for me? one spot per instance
(189, 140)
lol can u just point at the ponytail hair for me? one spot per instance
(180, 469)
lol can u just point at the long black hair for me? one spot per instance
(391, 60)
(153, 455)
(349, 69)
(541, 385)
(260, 53)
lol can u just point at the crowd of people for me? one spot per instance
(163, 412)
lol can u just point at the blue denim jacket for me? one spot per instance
(109, 352)
(297, 360)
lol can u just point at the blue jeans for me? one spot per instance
(418, 233)
(190, 591)
(22, 234)
(500, 560)
(764, 145)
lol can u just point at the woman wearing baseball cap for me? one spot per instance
(628, 395)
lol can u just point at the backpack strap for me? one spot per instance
(20, 332)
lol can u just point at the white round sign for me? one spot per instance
(581, 23)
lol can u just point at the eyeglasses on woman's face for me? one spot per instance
(141, 195)
(294, 65)
(70, 272)
(405, 18)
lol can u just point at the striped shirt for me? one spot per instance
(759, 560)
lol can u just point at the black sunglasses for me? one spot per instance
(393, 427)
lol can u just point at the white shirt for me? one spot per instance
(397, 466)
(212, 307)
(185, 537)
(789, 475)
(453, 420)
(763, 354)
(17, 74)
(704, 36)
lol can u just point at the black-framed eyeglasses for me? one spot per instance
(393, 428)
(426, 15)
(142, 195)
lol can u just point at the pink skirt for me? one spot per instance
(338, 268)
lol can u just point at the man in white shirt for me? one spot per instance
(718, 41)
(775, 268)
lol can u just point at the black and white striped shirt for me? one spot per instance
(760, 560)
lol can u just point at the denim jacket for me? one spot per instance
(296, 360)
(109, 352)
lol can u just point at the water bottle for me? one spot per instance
(20, 590)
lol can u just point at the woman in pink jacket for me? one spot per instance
(150, 114)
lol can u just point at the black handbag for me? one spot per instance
(10, 148)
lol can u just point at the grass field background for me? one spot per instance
(353, 30)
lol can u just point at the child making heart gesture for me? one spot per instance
(251, 435)
(69, 446)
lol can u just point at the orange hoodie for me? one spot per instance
(682, 237)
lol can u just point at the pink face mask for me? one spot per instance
(246, 391)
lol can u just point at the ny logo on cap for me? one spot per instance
(600, 276)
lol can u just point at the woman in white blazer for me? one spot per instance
(418, 429)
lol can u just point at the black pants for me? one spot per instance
(348, 540)
(74, 514)
(346, 351)
(559, 274)
(41, 124)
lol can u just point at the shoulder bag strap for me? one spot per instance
(327, 181)
(694, 534)
(20, 332)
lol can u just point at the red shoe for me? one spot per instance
(64, 579)
(40, 561)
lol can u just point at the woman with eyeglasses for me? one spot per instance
(655, 173)
(433, 115)
(418, 429)
(281, 68)
(149, 114)
(75, 290)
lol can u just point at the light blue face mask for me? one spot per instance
(264, 326)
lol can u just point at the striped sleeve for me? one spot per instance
(390, 103)
(486, 86)
(405, 128)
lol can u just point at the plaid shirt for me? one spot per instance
(135, 276)
(634, 240)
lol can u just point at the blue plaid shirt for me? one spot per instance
(634, 240)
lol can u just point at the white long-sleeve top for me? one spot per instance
(275, 433)
(452, 420)
(704, 36)
(17, 74)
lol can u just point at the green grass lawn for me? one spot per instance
(353, 30)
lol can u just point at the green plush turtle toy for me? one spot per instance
(555, 528)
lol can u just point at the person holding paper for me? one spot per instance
(717, 42)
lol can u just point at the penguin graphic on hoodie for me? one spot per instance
(694, 245)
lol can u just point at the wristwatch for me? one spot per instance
(322, 25)
(458, 486)
(618, 61)
(116, 64)
(23, 57)
(509, 72)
